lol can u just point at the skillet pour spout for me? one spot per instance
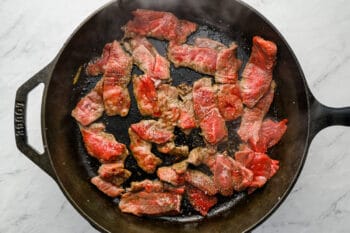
(66, 161)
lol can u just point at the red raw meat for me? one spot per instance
(200, 59)
(229, 101)
(90, 107)
(208, 57)
(97, 66)
(213, 127)
(199, 200)
(146, 96)
(187, 120)
(270, 134)
(152, 131)
(257, 74)
(204, 97)
(158, 24)
(227, 65)
(102, 145)
(150, 203)
(260, 164)
(106, 187)
(148, 59)
(116, 78)
(141, 150)
(116, 98)
(252, 117)
(210, 120)
(229, 175)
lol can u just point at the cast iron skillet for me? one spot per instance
(66, 161)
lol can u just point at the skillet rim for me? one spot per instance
(307, 92)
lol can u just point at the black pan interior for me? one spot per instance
(224, 21)
(119, 125)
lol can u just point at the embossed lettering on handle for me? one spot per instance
(19, 119)
(20, 126)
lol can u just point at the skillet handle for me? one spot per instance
(323, 116)
(42, 160)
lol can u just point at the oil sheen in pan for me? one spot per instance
(118, 126)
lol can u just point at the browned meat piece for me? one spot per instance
(203, 42)
(107, 170)
(270, 134)
(153, 131)
(229, 101)
(210, 120)
(153, 204)
(252, 118)
(229, 175)
(158, 24)
(175, 111)
(148, 59)
(141, 150)
(262, 166)
(227, 65)
(102, 145)
(166, 148)
(146, 96)
(187, 120)
(106, 187)
(174, 174)
(257, 74)
(154, 186)
(200, 200)
(171, 149)
(197, 155)
(169, 104)
(200, 59)
(181, 151)
(90, 107)
(97, 66)
(147, 186)
(116, 78)
(176, 190)
(201, 181)
(114, 172)
(169, 174)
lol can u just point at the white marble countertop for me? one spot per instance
(32, 32)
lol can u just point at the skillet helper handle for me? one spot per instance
(324, 116)
(42, 160)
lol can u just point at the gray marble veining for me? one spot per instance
(31, 34)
